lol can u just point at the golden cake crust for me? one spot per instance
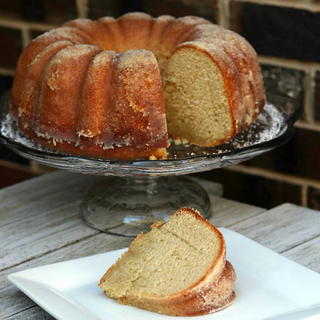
(55, 116)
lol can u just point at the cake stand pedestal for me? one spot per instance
(129, 205)
(139, 193)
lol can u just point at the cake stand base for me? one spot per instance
(128, 206)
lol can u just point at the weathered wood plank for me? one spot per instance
(52, 190)
(13, 301)
(35, 313)
(227, 212)
(92, 245)
(43, 215)
(306, 254)
(47, 191)
(38, 234)
(39, 224)
(282, 228)
(212, 188)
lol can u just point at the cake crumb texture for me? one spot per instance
(178, 268)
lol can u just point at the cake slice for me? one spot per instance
(179, 268)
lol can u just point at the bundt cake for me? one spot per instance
(118, 88)
(179, 268)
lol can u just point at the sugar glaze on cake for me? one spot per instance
(118, 88)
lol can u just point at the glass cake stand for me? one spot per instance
(139, 192)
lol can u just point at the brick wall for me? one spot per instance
(286, 35)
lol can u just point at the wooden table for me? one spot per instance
(40, 224)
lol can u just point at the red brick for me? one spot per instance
(11, 9)
(32, 10)
(101, 8)
(277, 30)
(317, 96)
(5, 83)
(179, 8)
(51, 11)
(59, 11)
(300, 156)
(254, 190)
(11, 175)
(313, 197)
(11, 47)
(284, 81)
(35, 33)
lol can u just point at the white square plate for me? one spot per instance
(268, 286)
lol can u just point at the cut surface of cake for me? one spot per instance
(118, 88)
(179, 268)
